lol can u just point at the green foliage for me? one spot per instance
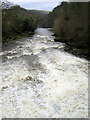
(70, 24)
(15, 21)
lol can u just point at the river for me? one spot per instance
(41, 80)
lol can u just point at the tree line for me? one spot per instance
(70, 23)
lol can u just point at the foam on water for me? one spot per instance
(40, 80)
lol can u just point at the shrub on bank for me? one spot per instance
(16, 21)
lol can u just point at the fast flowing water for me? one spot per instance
(41, 80)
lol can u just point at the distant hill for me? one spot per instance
(40, 16)
(39, 12)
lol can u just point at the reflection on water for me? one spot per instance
(40, 80)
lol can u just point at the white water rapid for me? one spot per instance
(41, 80)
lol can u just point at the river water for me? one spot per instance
(41, 80)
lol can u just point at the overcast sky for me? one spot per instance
(37, 4)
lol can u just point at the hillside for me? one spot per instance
(40, 16)
(70, 25)
(16, 21)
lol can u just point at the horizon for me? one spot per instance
(46, 5)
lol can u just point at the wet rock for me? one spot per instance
(30, 34)
(5, 87)
(43, 49)
(28, 78)
(57, 39)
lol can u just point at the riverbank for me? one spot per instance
(74, 49)
(70, 24)
(82, 53)
(20, 22)
(14, 37)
